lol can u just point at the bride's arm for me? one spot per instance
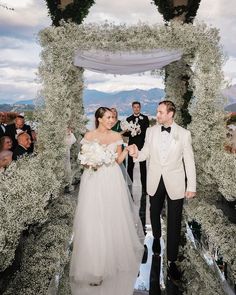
(121, 154)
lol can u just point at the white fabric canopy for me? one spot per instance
(125, 63)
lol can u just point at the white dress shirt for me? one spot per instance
(165, 141)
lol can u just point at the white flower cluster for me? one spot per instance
(94, 155)
(131, 126)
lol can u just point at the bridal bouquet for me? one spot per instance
(131, 126)
(93, 155)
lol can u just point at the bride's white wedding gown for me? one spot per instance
(106, 246)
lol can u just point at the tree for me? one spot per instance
(184, 11)
(68, 10)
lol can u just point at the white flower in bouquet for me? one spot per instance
(134, 128)
(93, 155)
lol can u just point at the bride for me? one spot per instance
(106, 250)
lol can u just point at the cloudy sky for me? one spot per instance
(20, 52)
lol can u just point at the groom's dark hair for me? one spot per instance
(170, 106)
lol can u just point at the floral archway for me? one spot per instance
(63, 82)
(63, 90)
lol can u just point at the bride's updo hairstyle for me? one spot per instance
(99, 114)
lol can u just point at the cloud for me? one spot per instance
(230, 70)
(15, 91)
(26, 20)
(123, 11)
(19, 57)
(111, 83)
(221, 15)
(15, 50)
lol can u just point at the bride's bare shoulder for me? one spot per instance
(89, 135)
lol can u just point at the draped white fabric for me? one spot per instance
(125, 63)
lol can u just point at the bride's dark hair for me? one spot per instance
(99, 114)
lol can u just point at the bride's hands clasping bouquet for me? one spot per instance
(93, 155)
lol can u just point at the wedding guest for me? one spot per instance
(17, 127)
(23, 146)
(70, 140)
(5, 160)
(138, 140)
(116, 127)
(2, 125)
(5, 143)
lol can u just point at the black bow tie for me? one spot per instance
(165, 129)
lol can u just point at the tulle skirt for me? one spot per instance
(106, 247)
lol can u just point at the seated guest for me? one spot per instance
(23, 146)
(2, 125)
(14, 129)
(5, 160)
(5, 143)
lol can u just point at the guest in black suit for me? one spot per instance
(23, 146)
(139, 139)
(2, 126)
(19, 126)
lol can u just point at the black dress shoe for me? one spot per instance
(96, 284)
(154, 279)
(173, 272)
(145, 254)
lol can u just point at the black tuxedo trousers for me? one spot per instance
(174, 217)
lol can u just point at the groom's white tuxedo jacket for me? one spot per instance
(177, 169)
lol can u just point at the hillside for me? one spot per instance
(93, 99)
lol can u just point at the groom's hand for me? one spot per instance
(133, 150)
(190, 195)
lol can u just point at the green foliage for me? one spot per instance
(201, 278)
(29, 115)
(166, 8)
(26, 188)
(45, 251)
(75, 12)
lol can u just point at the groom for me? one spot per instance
(170, 175)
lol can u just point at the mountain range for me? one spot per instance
(121, 100)
(93, 99)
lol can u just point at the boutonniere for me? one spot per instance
(141, 117)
